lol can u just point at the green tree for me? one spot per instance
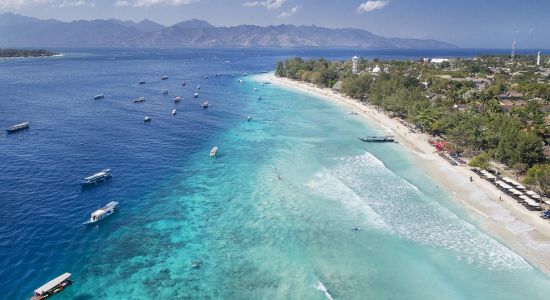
(539, 176)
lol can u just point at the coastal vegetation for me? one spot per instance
(4, 53)
(487, 108)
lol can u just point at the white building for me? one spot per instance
(354, 61)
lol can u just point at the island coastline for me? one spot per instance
(495, 212)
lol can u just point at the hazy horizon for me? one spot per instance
(467, 24)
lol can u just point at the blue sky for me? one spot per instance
(466, 23)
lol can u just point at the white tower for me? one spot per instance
(354, 61)
(513, 49)
(538, 58)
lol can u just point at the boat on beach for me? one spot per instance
(97, 177)
(378, 139)
(214, 151)
(53, 287)
(102, 213)
(18, 127)
(99, 96)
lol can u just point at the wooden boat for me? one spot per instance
(102, 213)
(97, 177)
(18, 127)
(378, 139)
(53, 287)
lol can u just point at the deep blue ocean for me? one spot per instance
(193, 227)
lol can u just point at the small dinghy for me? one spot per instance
(141, 82)
(147, 119)
(214, 151)
(139, 100)
(205, 104)
(164, 92)
(164, 77)
(173, 112)
(177, 99)
(183, 83)
(99, 96)
(196, 95)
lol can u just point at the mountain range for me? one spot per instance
(22, 31)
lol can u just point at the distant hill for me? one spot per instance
(21, 31)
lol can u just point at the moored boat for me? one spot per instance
(214, 151)
(99, 96)
(141, 82)
(18, 127)
(173, 112)
(177, 99)
(183, 83)
(147, 119)
(196, 95)
(205, 104)
(378, 139)
(198, 87)
(97, 177)
(164, 77)
(249, 118)
(164, 92)
(139, 100)
(102, 213)
(53, 287)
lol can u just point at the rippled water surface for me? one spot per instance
(193, 227)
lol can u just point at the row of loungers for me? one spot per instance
(514, 189)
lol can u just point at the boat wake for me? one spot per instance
(321, 287)
(391, 204)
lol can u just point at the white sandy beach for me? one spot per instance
(498, 214)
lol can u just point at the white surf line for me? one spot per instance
(320, 286)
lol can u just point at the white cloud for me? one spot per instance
(269, 4)
(144, 3)
(286, 14)
(372, 5)
(14, 4)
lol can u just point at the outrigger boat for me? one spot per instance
(18, 127)
(379, 139)
(214, 151)
(99, 176)
(139, 100)
(53, 287)
(177, 99)
(99, 96)
(102, 213)
(164, 77)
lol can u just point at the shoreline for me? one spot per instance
(518, 228)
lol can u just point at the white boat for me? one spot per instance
(102, 213)
(249, 118)
(173, 111)
(99, 176)
(177, 99)
(164, 77)
(196, 95)
(99, 96)
(53, 287)
(198, 87)
(205, 104)
(214, 151)
(147, 119)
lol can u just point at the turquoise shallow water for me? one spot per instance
(259, 237)
(250, 235)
